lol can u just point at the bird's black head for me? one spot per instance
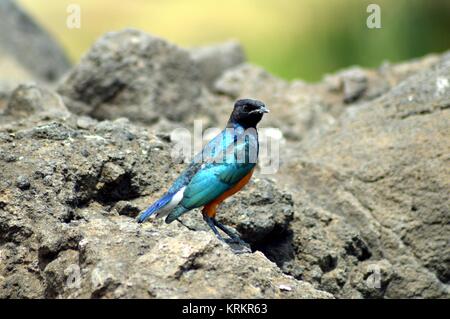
(247, 112)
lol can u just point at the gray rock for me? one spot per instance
(260, 212)
(246, 80)
(127, 208)
(29, 99)
(135, 75)
(65, 237)
(23, 182)
(213, 60)
(139, 266)
(371, 189)
(13, 74)
(356, 85)
(29, 44)
(295, 107)
(299, 108)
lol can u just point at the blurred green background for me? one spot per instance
(290, 38)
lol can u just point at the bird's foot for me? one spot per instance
(230, 232)
(234, 241)
(238, 246)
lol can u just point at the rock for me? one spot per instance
(357, 207)
(213, 60)
(61, 273)
(50, 131)
(356, 85)
(13, 74)
(28, 99)
(371, 190)
(174, 263)
(86, 122)
(135, 75)
(127, 208)
(23, 182)
(29, 44)
(260, 212)
(69, 234)
(296, 107)
(245, 80)
(372, 278)
(299, 108)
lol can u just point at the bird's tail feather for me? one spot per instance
(160, 203)
(175, 213)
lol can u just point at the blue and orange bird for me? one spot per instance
(221, 169)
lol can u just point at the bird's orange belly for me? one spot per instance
(210, 208)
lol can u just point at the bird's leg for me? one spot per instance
(236, 244)
(231, 233)
(188, 227)
(210, 222)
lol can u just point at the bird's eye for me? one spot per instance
(247, 108)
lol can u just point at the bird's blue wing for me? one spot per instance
(219, 143)
(213, 171)
(209, 153)
(226, 160)
(212, 181)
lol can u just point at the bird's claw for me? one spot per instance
(235, 240)
(238, 246)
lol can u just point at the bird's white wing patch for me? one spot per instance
(176, 199)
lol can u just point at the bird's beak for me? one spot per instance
(263, 109)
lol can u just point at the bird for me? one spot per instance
(221, 169)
